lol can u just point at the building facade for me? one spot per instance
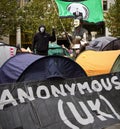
(106, 6)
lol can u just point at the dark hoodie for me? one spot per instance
(41, 41)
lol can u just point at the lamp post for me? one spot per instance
(18, 36)
(18, 29)
(21, 3)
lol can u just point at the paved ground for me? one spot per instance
(116, 126)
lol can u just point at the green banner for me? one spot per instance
(91, 9)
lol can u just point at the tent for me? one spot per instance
(26, 66)
(100, 43)
(51, 67)
(113, 45)
(97, 62)
(6, 51)
(116, 65)
(13, 67)
(55, 49)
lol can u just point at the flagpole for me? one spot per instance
(61, 23)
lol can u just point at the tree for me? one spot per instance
(8, 10)
(112, 19)
(39, 12)
(30, 17)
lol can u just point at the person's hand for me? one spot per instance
(53, 28)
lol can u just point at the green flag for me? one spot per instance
(91, 9)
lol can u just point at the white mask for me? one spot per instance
(42, 29)
(76, 22)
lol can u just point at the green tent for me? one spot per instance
(116, 65)
(55, 49)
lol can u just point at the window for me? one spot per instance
(105, 5)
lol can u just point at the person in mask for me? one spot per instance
(79, 30)
(79, 37)
(41, 40)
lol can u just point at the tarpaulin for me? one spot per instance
(79, 103)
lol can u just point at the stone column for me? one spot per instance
(93, 33)
(18, 36)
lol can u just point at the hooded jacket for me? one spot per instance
(41, 40)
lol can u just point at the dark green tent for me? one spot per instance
(116, 65)
(55, 49)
